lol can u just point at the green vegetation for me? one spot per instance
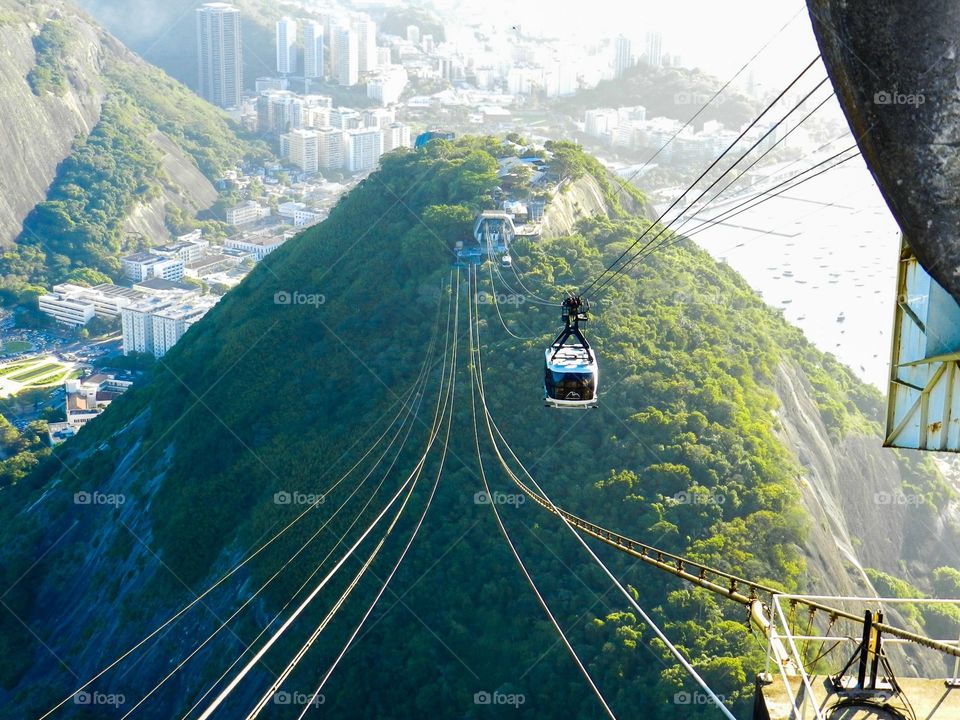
(35, 372)
(20, 452)
(939, 621)
(80, 225)
(16, 346)
(200, 130)
(570, 162)
(396, 20)
(50, 44)
(264, 397)
(77, 234)
(665, 92)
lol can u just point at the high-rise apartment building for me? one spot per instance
(345, 55)
(219, 53)
(622, 55)
(654, 48)
(362, 148)
(366, 31)
(313, 50)
(303, 149)
(286, 46)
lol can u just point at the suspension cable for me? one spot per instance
(400, 400)
(736, 162)
(702, 175)
(347, 646)
(475, 350)
(421, 379)
(643, 614)
(415, 474)
(232, 685)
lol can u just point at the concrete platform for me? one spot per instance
(921, 700)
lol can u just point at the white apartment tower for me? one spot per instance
(366, 30)
(304, 150)
(362, 148)
(330, 148)
(286, 46)
(345, 56)
(622, 55)
(313, 50)
(219, 54)
(655, 48)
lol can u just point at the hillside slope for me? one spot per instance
(96, 144)
(39, 132)
(269, 399)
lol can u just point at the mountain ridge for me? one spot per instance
(264, 397)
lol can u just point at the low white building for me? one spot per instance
(187, 247)
(85, 398)
(65, 309)
(247, 212)
(170, 323)
(143, 265)
(76, 305)
(387, 84)
(259, 246)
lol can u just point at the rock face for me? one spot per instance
(39, 131)
(186, 188)
(894, 67)
(579, 199)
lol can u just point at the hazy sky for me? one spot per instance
(718, 36)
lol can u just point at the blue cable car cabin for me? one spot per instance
(570, 368)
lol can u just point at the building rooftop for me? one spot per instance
(260, 240)
(175, 246)
(161, 284)
(141, 257)
(188, 310)
(116, 291)
(214, 258)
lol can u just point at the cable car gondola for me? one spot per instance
(506, 261)
(570, 368)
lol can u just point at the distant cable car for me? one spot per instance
(506, 261)
(570, 368)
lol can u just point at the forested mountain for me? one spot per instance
(665, 92)
(291, 378)
(102, 149)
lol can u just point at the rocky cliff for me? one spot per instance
(52, 91)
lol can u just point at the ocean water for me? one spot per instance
(825, 253)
